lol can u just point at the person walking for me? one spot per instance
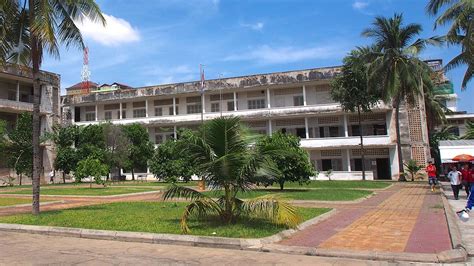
(431, 170)
(466, 178)
(464, 213)
(455, 178)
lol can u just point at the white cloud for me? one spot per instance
(255, 26)
(270, 55)
(360, 5)
(117, 31)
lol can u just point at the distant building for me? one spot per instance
(111, 87)
(16, 97)
(296, 102)
(81, 88)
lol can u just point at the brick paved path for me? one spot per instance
(405, 217)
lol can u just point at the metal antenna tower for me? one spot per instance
(85, 73)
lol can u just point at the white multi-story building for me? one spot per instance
(16, 97)
(295, 102)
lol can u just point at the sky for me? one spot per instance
(151, 42)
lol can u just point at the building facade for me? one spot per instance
(16, 97)
(295, 102)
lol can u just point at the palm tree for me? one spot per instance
(395, 69)
(469, 131)
(460, 13)
(41, 26)
(413, 168)
(228, 159)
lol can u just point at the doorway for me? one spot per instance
(383, 169)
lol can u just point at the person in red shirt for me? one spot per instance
(466, 178)
(431, 170)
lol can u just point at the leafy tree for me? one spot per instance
(91, 142)
(460, 14)
(350, 90)
(395, 69)
(229, 161)
(412, 168)
(117, 147)
(33, 27)
(445, 133)
(91, 168)
(170, 163)
(66, 154)
(294, 165)
(141, 148)
(19, 150)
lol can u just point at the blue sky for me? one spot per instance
(149, 42)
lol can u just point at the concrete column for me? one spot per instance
(304, 95)
(120, 115)
(72, 109)
(17, 90)
(96, 112)
(268, 99)
(306, 127)
(235, 101)
(270, 129)
(174, 105)
(146, 108)
(203, 103)
(175, 132)
(346, 130)
(348, 160)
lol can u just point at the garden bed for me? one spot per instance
(81, 191)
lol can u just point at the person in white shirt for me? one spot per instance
(455, 179)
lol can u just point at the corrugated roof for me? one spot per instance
(458, 142)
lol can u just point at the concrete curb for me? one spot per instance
(29, 204)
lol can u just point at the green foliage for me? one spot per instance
(117, 147)
(141, 148)
(66, 154)
(228, 159)
(19, 150)
(469, 131)
(460, 13)
(350, 87)
(170, 163)
(413, 169)
(92, 168)
(293, 165)
(328, 174)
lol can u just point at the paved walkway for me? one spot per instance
(403, 218)
(28, 249)
(466, 228)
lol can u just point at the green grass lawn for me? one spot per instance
(338, 184)
(153, 217)
(13, 201)
(303, 194)
(82, 191)
(152, 183)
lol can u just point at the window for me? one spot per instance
(230, 106)
(256, 104)
(357, 164)
(194, 108)
(301, 132)
(326, 164)
(124, 114)
(321, 132)
(334, 132)
(158, 111)
(90, 116)
(139, 113)
(355, 130)
(171, 110)
(298, 100)
(158, 139)
(108, 115)
(118, 114)
(380, 129)
(215, 107)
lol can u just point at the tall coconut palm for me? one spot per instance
(228, 160)
(395, 68)
(41, 26)
(460, 13)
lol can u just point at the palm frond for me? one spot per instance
(273, 208)
(175, 191)
(202, 208)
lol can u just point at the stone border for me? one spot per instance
(89, 196)
(29, 204)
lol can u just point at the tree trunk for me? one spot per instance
(227, 217)
(401, 171)
(282, 183)
(133, 175)
(64, 177)
(35, 59)
(21, 175)
(362, 150)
